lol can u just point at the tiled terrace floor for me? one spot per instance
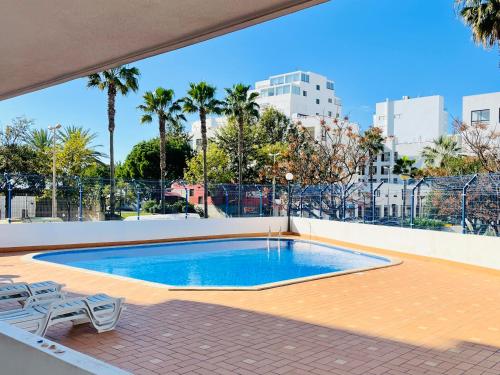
(421, 317)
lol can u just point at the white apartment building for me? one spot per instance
(409, 125)
(482, 108)
(304, 96)
(212, 124)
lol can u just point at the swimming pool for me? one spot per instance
(250, 263)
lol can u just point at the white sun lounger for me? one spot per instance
(22, 291)
(101, 310)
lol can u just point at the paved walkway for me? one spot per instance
(421, 317)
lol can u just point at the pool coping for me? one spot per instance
(392, 262)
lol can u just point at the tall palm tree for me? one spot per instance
(121, 80)
(242, 107)
(442, 149)
(372, 142)
(201, 99)
(161, 103)
(483, 17)
(405, 169)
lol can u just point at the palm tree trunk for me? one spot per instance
(240, 163)
(111, 128)
(372, 198)
(163, 163)
(203, 121)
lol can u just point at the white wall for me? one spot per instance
(21, 353)
(22, 235)
(480, 102)
(470, 249)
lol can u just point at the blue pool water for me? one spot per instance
(217, 263)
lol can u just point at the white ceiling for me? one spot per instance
(46, 42)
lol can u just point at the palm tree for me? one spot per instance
(161, 103)
(373, 144)
(121, 80)
(405, 169)
(443, 148)
(242, 107)
(483, 17)
(201, 99)
(39, 140)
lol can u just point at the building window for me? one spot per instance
(191, 192)
(198, 142)
(317, 101)
(329, 85)
(386, 156)
(378, 193)
(384, 170)
(317, 87)
(295, 90)
(373, 169)
(304, 77)
(330, 100)
(277, 80)
(200, 200)
(395, 180)
(329, 113)
(480, 116)
(385, 180)
(304, 93)
(381, 118)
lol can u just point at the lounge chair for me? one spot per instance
(100, 310)
(20, 292)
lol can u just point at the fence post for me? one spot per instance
(374, 198)
(464, 203)
(343, 198)
(260, 203)
(138, 195)
(412, 202)
(187, 202)
(320, 203)
(80, 198)
(9, 198)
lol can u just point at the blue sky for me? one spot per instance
(372, 50)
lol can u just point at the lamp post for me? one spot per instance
(274, 176)
(289, 178)
(54, 129)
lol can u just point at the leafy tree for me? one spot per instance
(217, 167)
(121, 80)
(228, 139)
(161, 103)
(442, 149)
(76, 151)
(143, 161)
(275, 124)
(40, 141)
(483, 17)
(201, 99)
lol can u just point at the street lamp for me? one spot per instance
(274, 176)
(289, 178)
(54, 129)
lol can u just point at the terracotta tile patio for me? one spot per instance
(421, 317)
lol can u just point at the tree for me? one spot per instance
(373, 144)
(442, 149)
(76, 151)
(275, 124)
(218, 167)
(143, 161)
(201, 99)
(227, 138)
(121, 80)
(482, 141)
(242, 107)
(161, 103)
(483, 17)
(404, 167)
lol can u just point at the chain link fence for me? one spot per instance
(464, 204)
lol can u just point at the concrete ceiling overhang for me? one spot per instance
(46, 42)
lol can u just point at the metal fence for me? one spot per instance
(466, 204)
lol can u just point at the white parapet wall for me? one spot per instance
(481, 251)
(21, 236)
(22, 353)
